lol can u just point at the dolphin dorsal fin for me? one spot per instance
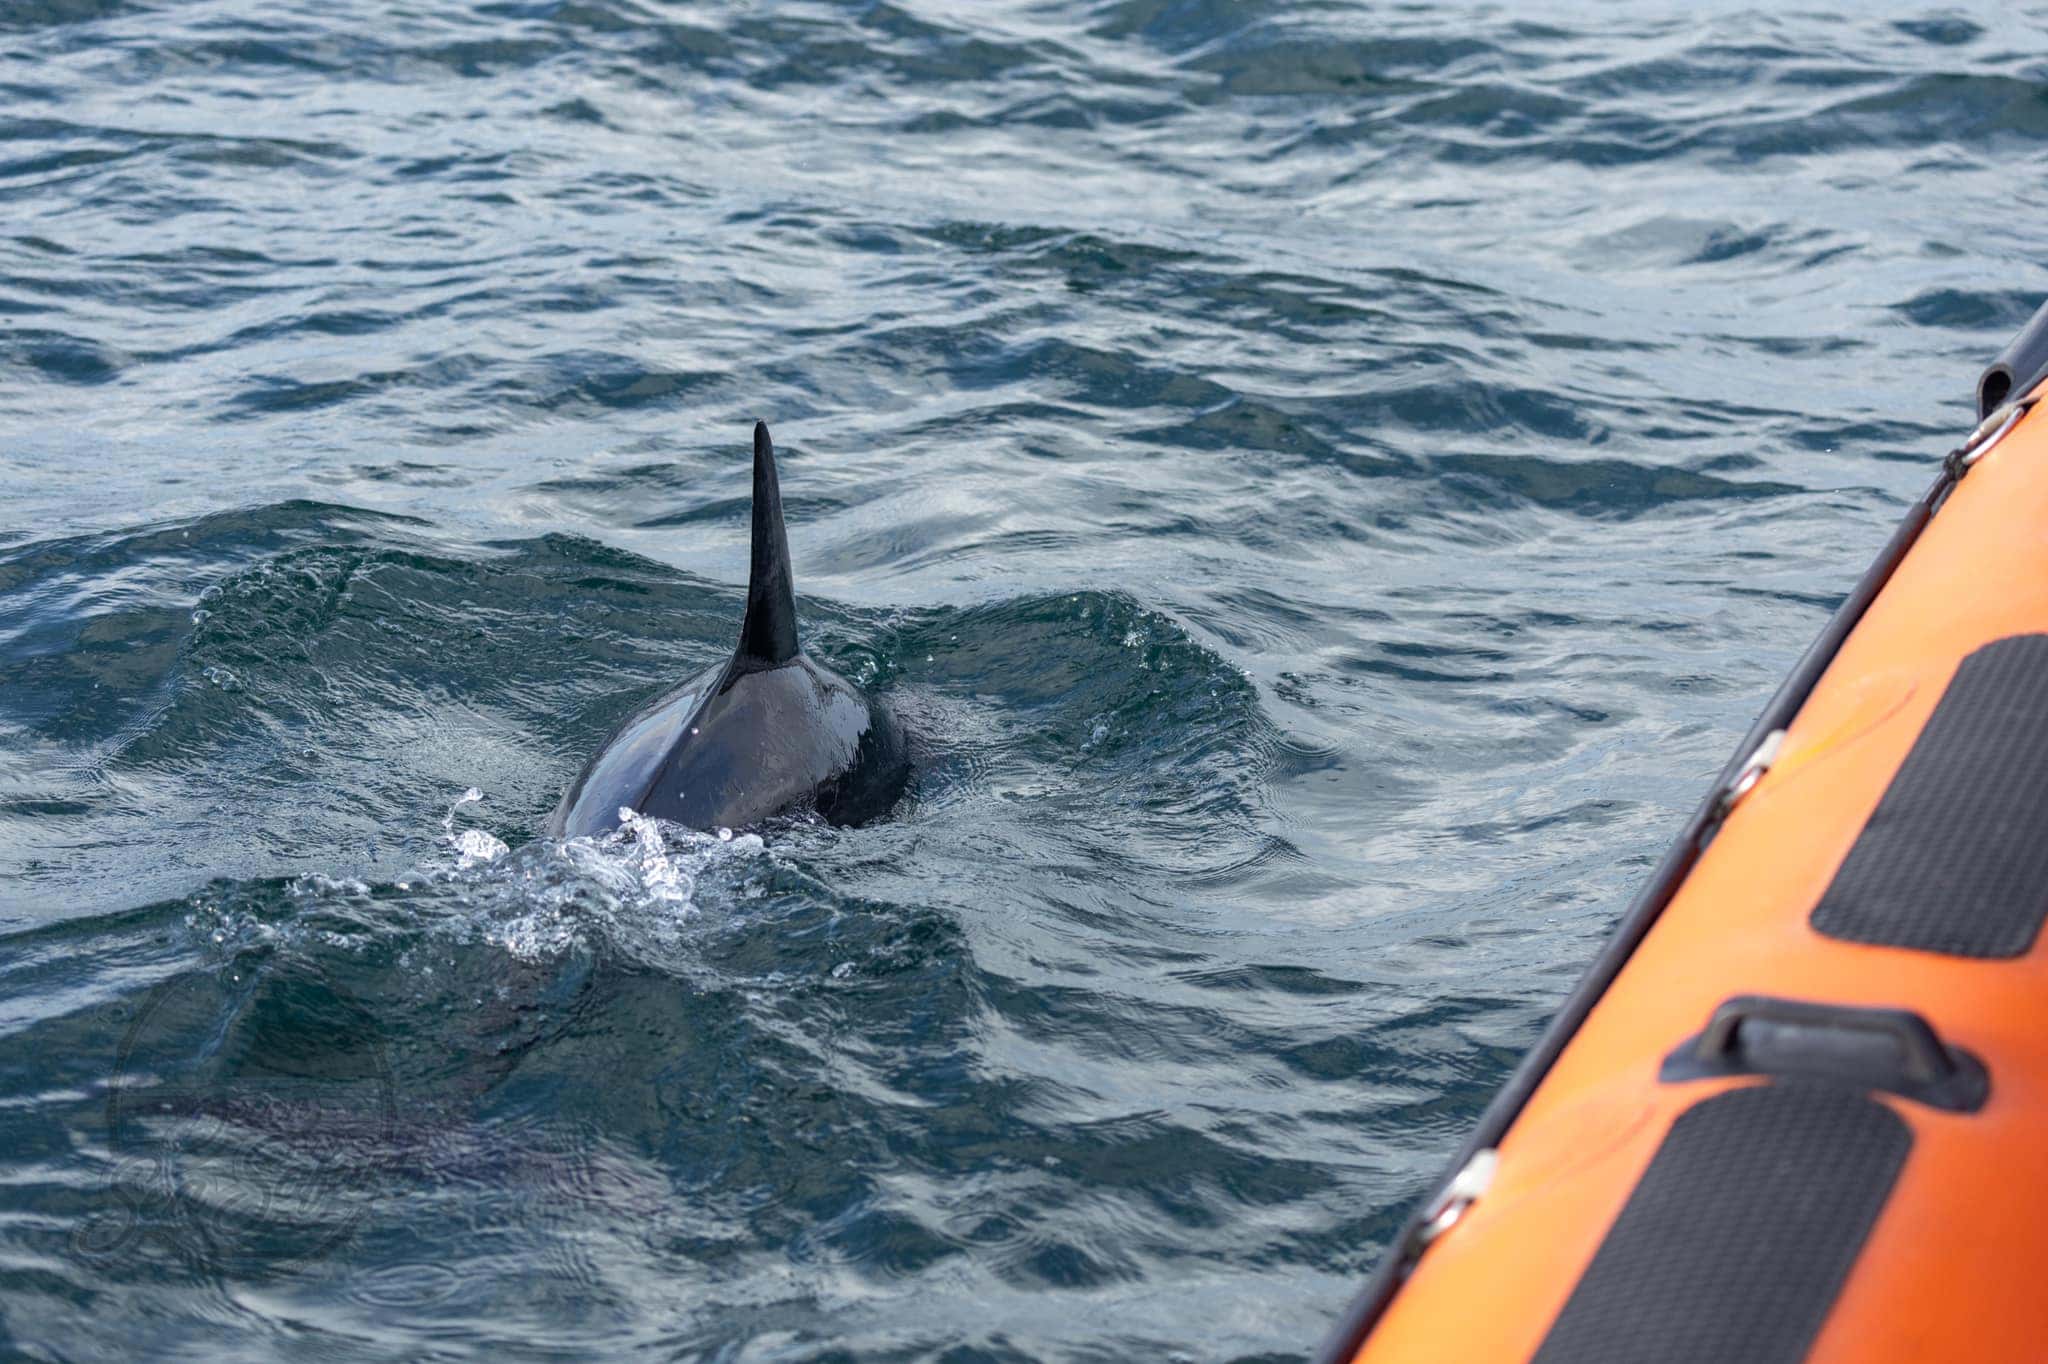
(768, 638)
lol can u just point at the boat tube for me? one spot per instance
(1797, 1108)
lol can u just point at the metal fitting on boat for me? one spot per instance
(1988, 433)
(1749, 774)
(1463, 1190)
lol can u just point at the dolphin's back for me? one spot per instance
(629, 764)
(772, 739)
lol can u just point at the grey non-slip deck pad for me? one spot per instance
(1955, 857)
(1738, 1238)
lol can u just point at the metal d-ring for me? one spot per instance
(1751, 772)
(1460, 1194)
(1992, 430)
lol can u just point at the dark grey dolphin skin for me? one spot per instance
(768, 731)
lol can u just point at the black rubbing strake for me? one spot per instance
(2018, 367)
(1738, 1238)
(1955, 857)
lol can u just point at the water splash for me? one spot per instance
(631, 889)
(628, 892)
(472, 846)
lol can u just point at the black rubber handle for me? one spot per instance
(1923, 1058)
(1895, 1050)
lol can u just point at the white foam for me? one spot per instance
(667, 880)
(635, 891)
(471, 846)
(476, 845)
(634, 888)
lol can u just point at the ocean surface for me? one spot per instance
(1323, 485)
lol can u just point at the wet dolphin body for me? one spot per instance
(767, 731)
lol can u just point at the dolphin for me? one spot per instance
(767, 731)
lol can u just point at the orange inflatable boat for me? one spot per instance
(1798, 1107)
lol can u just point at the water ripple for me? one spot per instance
(1323, 486)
